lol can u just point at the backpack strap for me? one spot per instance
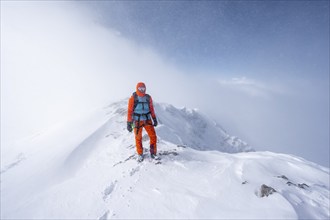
(136, 101)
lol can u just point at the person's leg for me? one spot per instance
(153, 138)
(138, 138)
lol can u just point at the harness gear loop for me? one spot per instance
(137, 123)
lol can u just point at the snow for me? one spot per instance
(87, 169)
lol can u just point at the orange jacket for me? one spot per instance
(130, 110)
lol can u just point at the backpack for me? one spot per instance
(136, 100)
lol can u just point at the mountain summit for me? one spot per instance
(191, 128)
(87, 169)
(188, 127)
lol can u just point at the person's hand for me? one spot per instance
(155, 122)
(129, 126)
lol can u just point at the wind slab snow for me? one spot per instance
(87, 169)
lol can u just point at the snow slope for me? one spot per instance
(191, 128)
(87, 169)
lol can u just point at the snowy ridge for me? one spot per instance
(188, 127)
(87, 169)
(191, 128)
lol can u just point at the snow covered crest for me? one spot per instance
(191, 128)
(87, 169)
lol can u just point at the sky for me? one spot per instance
(260, 68)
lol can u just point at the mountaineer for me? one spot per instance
(141, 114)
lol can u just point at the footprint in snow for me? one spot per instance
(19, 158)
(109, 190)
(134, 170)
(108, 214)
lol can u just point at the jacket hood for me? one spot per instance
(139, 93)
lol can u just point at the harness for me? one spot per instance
(136, 102)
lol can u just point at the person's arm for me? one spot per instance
(130, 109)
(152, 111)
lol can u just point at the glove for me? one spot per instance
(155, 122)
(129, 126)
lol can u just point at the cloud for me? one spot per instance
(254, 88)
(57, 63)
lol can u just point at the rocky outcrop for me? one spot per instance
(266, 190)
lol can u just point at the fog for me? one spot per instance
(58, 62)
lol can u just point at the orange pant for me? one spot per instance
(147, 125)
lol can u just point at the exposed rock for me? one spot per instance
(303, 185)
(174, 153)
(182, 145)
(300, 185)
(289, 183)
(266, 190)
(283, 177)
